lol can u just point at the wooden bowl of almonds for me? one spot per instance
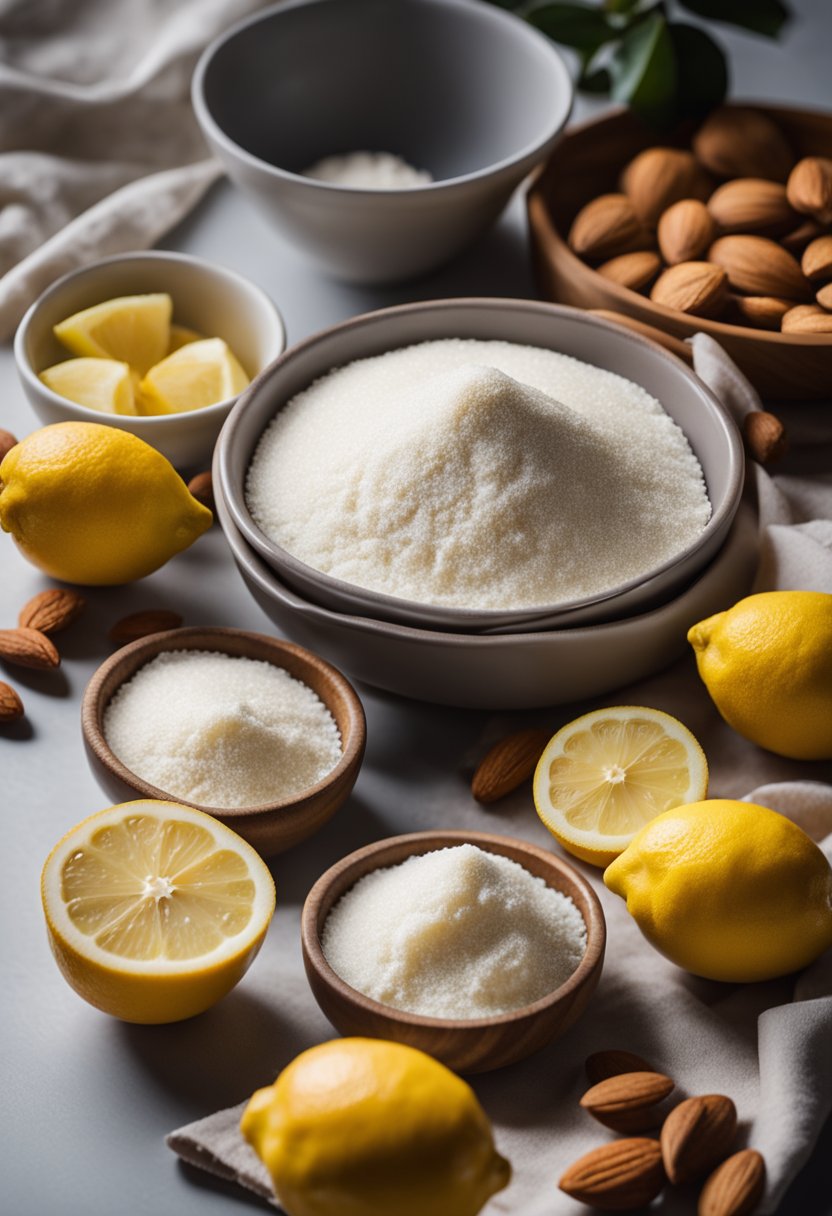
(725, 230)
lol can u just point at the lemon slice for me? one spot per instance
(604, 776)
(196, 375)
(180, 336)
(154, 910)
(99, 384)
(133, 329)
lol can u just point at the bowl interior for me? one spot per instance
(452, 86)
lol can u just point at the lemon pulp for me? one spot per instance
(132, 329)
(99, 384)
(197, 374)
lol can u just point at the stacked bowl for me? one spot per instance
(495, 659)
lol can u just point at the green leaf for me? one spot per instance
(702, 70)
(621, 6)
(760, 16)
(577, 25)
(643, 70)
(598, 81)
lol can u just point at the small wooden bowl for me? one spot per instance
(586, 163)
(272, 828)
(475, 1044)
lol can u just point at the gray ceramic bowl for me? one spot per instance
(460, 88)
(210, 299)
(710, 430)
(508, 671)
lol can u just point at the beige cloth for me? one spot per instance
(768, 1046)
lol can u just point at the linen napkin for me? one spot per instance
(100, 151)
(768, 1046)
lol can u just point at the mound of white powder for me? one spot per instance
(457, 933)
(477, 474)
(220, 730)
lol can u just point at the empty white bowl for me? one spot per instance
(210, 299)
(459, 88)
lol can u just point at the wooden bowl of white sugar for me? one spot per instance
(474, 923)
(260, 733)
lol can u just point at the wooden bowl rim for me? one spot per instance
(540, 217)
(124, 663)
(592, 913)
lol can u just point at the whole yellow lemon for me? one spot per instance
(93, 504)
(728, 890)
(767, 663)
(363, 1127)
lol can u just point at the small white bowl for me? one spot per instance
(210, 299)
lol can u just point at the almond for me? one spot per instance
(824, 296)
(628, 1102)
(697, 1135)
(7, 442)
(816, 262)
(759, 267)
(659, 177)
(735, 1187)
(606, 227)
(807, 319)
(633, 270)
(797, 240)
(765, 436)
(28, 648)
(52, 610)
(617, 1176)
(809, 188)
(697, 288)
(142, 624)
(11, 706)
(752, 204)
(739, 142)
(764, 312)
(685, 231)
(611, 1063)
(202, 489)
(508, 764)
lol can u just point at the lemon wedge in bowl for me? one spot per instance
(196, 375)
(132, 329)
(602, 777)
(99, 384)
(155, 910)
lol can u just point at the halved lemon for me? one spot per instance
(132, 329)
(155, 910)
(604, 776)
(196, 375)
(99, 384)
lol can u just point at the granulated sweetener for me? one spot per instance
(368, 171)
(457, 933)
(221, 730)
(475, 474)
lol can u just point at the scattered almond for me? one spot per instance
(752, 204)
(797, 240)
(11, 706)
(758, 266)
(739, 142)
(816, 262)
(28, 648)
(611, 1063)
(628, 1102)
(685, 231)
(659, 177)
(202, 489)
(607, 226)
(765, 436)
(633, 270)
(824, 296)
(809, 188)
(617, 1176)
(7, 442)
(52, 610)
(764, 312)
(807, 319)
(735, 1187)
(508, 764)
(142, 624)
(697, 1135)
(697, 288)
